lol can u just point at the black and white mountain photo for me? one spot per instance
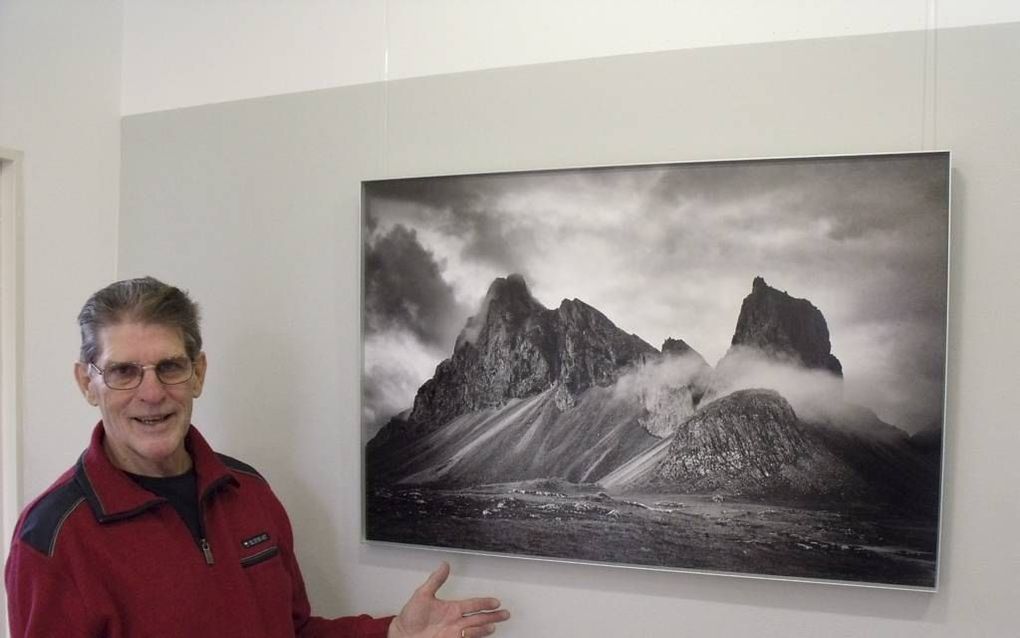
(733, 367)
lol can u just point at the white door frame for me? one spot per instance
(11, 338)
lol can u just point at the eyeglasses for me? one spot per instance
(128, 376)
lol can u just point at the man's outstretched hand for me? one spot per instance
(425, 616)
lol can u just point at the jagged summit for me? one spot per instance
(509, 301)
(511, 293)
(785, 326)
(514, 347)
(679, 347)
(675, 346)
(512, 281)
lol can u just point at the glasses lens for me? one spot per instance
(173, 371)
(123, 376)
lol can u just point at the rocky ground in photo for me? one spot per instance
(694, 532)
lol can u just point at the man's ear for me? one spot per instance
(84, 381)
(199, 379)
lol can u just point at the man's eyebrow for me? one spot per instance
(171, 357)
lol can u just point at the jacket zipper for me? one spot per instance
(203, 543)
(206, 551)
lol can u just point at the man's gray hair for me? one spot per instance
(142, 300)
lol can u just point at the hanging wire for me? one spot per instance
(386, 89)
(929, 91)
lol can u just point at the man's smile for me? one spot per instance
(154, 419)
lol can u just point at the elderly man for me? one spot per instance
(151, 532)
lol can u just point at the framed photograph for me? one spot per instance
(734, 367)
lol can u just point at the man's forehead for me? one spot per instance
(138, 341)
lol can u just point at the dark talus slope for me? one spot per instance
(533, 438)
(524, 439)
(890, 460)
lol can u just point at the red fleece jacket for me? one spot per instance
(98, 556)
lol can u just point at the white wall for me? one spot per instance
(258, 199)
(60, 105)
(191, 52)
(60, 95)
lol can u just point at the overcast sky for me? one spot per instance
(671, 251)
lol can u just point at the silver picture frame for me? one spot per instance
(733, 367)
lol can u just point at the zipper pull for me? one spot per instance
(207, 552)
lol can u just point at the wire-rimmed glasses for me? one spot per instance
(128, 375)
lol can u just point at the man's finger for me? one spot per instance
(477, 632)
(483, 623)
(471, 606)
(435, 580)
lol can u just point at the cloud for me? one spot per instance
(897, 396)
(814, 394)
(657, 378)
(396, 364)
(897, 369)
(405, 290)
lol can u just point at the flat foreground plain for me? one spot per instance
(693, 532)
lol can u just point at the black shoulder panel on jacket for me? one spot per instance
(43, 522)
(239, 466)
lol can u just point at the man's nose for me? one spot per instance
(151, 388)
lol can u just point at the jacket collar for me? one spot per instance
(112, 494)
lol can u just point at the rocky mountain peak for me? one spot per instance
(511, 295)
(779, 324)
(514, 347)
(591, 350)
(507, 305)
(679, 347)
